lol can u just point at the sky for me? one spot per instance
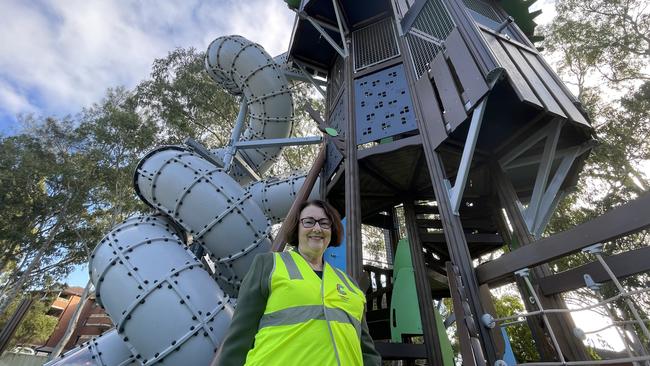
(57, 57)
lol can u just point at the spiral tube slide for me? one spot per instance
(141, 269)
(245, 68)
(210, 205)
(275, 196)
(106, 350)
(167, 309)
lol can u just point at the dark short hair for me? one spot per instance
(330, 212)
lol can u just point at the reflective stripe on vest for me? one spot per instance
(308, 319)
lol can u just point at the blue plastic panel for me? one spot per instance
(383, 105)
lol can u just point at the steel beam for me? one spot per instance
(311, 79)
(535, 159)
(289, 141)
(456, 192)
(354, 253)
(620, 221)
(623, 265)
(342, 29)
(234, 137)
(547, 210)
(530, 215)
(426, 37)
(343, 52)
(526, 144)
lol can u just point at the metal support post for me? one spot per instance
(398, 18)
(236, 132)
(452, 226)
(352, 186)
(456, 192)
(571, 347)
(423, 288)
(524, 274)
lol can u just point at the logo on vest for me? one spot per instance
(342, 293)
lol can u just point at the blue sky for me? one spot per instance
(57, 57)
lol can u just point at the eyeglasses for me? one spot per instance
(309, 222)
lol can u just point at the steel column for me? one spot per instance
(572, 348)
(452, 226)
(423, 288)
(353, 243)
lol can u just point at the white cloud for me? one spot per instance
(13, 101)
(59, 56)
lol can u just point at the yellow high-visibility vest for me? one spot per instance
(309, 321)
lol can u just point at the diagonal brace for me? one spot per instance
(311, 79)
(456, 192)
(543, 172)
(341, 51)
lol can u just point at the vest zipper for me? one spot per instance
(329, 328)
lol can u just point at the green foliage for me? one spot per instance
(36, 326)
(602, 48)
(521, 338)
(607, 37)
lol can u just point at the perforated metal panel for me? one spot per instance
(337, 120)
(484, 8)
(374, 44)
(435, 21)
(383, 105)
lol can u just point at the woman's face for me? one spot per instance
(313, 240)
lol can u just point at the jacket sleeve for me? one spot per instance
(370, 355)
(251, 302)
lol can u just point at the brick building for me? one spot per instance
(93, 321)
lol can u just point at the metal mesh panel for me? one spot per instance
(422, 53)
(374, 44)
(434, 20)
(483, 8)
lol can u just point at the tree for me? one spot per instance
(35, 327)
(521, 339)
(603, 49)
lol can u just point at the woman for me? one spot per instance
(295, 309)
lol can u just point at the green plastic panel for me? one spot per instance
(404, 309)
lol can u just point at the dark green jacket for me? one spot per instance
(251, 303)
